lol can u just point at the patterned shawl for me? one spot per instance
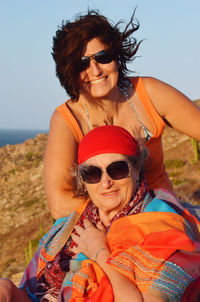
(153, 241)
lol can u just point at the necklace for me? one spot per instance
(124, 92)
(88, 118)
(147, 133)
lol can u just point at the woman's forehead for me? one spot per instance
(93, 46)
(105, 159)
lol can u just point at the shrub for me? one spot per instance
(174, 163)
(196, 146)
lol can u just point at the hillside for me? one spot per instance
(24, 214)
(23, 207)
(184, 172)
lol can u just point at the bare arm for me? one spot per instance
(123, 288)
(60, 154)
(178, 110)
(10, 293)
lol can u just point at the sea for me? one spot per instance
(17, 136)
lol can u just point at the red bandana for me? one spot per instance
(107, 139)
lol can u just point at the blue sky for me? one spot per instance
(30, 91)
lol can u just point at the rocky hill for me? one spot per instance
(24, 214)
(23, 207)
(184, 172)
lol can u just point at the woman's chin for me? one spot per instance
(112, 205)
(98, 92)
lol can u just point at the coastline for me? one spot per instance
(18, 136)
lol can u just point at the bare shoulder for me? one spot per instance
(57, 119)
(166, 97)
(174, 107)
(156, 88)
(153, 83)
(59, 126)
(62, 144)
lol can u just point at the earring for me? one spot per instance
(84, 189)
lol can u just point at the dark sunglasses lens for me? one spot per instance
(85, 62)
(118, 170)
(91, 174)
(102, 57)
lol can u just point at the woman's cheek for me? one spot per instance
(83, 75)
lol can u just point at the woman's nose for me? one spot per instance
(106, 181)
(94, 68)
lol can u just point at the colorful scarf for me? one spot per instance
(157, 249)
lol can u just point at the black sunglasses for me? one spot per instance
(116, 170)
(102, 57)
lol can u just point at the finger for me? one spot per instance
(100, 226)
(75, 238)
(88, 224)
(75, 250)
(79, 230)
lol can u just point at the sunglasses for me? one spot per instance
(116, 170)
(102, 57)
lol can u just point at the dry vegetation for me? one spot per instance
(23, 208)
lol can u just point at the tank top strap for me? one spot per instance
(66, 113)
(157, 121)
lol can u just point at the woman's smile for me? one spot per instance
(92, 82)
(111, 193)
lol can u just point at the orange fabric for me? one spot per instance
(147, 248)
(71, 121)
(91, 284)
(156, 175)
(167, 233)
(149, 253)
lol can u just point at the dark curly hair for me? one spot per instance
(72, 37)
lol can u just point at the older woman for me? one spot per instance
(91, 57)
(124, 243)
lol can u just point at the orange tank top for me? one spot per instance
(155, 172)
